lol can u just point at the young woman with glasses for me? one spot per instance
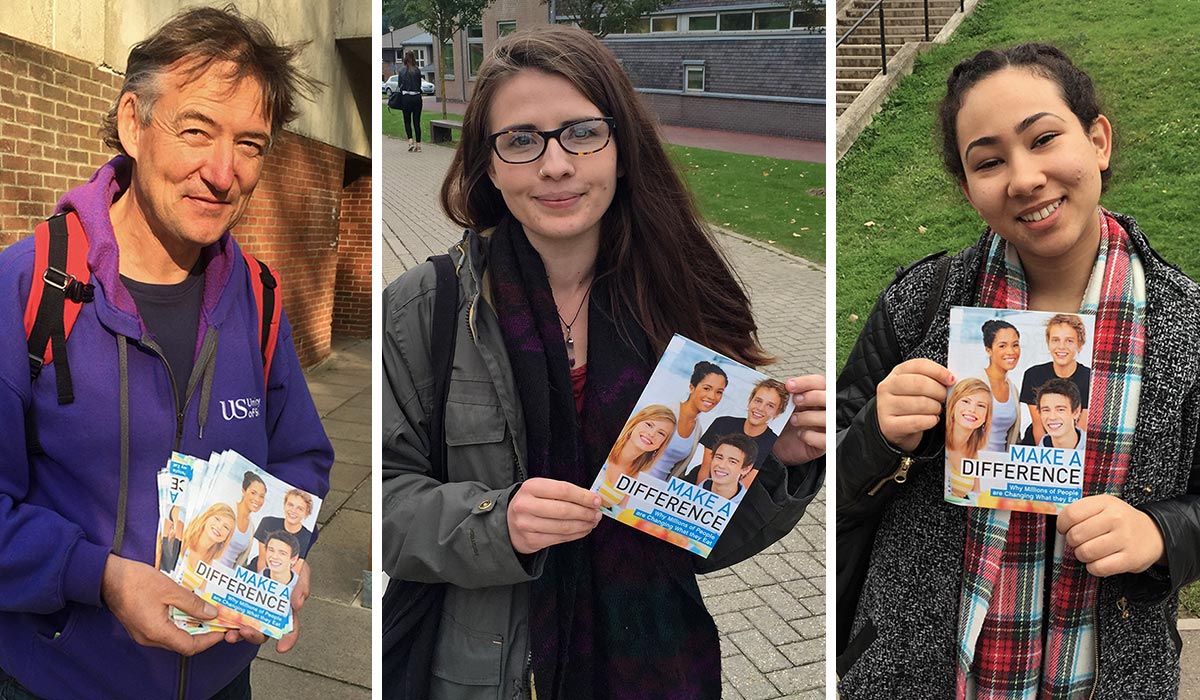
(584, 254)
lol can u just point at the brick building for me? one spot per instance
(310, 218)
(737, 65)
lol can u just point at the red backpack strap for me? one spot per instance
(265, 282)
(57, 292)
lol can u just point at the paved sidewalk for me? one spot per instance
(1189, 660)
(332, 658)
(770, 609)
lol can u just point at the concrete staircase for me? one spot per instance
(858, 59)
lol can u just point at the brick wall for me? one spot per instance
(353, 292)
(292, 224)
(50, 110)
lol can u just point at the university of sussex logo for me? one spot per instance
(240, 409)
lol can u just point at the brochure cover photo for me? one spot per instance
(691, 447)
(1016, 419)
(237, 537)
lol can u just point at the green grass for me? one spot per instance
(763, 198)
(393, 123)
(1143, 64)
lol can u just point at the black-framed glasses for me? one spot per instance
(581, 138)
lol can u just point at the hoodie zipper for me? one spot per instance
(180, 414)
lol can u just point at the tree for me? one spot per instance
(443, 19)
(395, 14)
(603, 17)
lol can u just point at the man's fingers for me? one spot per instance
(191, 644)
(302, 589)
(190, 603)
(289, 640)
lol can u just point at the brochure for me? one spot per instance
(248, 574)
(692, 446)
(1016, 420)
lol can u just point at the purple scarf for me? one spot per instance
(617, 614)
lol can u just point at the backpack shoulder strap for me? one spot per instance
(60, 275)
(441, 350)
(265, 282)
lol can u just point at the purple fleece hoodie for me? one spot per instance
(58, 507)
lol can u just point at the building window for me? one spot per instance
(418, 54)
(640, 26)
(474, 50)
(702, 23)
(664, 24)
(737, 21)
(503, 29)
(772, 19)
(448, 60)
(693, 76)
(803, 19)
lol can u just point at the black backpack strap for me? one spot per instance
(48, 325)
(441, 350)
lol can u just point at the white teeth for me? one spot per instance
(1041, 213)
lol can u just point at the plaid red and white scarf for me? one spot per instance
(1001, 654)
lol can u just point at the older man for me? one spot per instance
(170, 333)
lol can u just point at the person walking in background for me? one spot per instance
(410, 100)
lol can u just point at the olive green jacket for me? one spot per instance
(458, 532)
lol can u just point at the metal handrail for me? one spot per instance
(882, 39)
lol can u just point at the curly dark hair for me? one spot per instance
(1042, 60)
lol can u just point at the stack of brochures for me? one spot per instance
(236, 536)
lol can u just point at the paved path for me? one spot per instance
(1189, 660)
(770, 609)
(332, 658)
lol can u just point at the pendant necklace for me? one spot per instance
(570, 335)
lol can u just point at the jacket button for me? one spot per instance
(1148, 490)
(485, 505)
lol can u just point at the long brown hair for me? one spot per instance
(658, 258)
(410, 61)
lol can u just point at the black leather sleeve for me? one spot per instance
(864, 456)
(1178, 519)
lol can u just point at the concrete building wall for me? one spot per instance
(101, 32)
(798, 121)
